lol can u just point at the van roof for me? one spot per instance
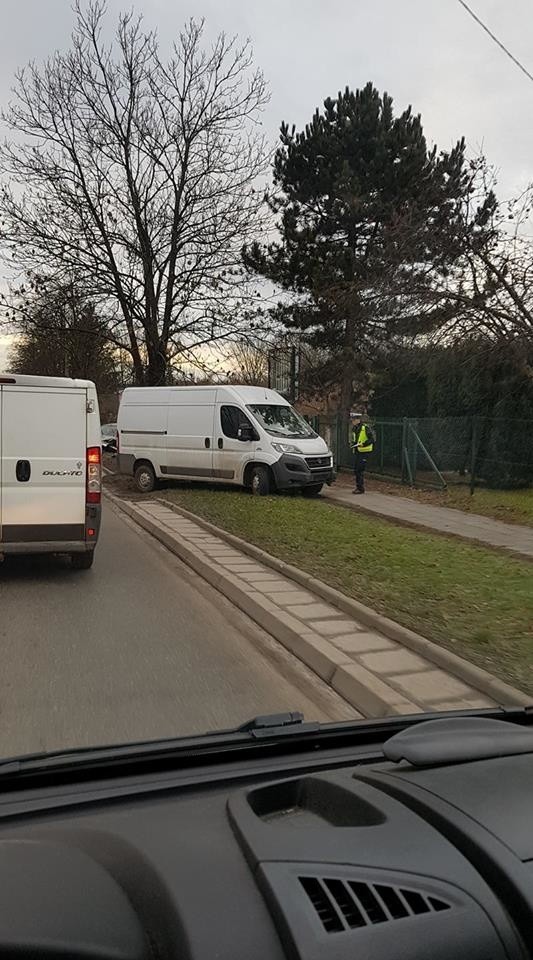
(242, 392)
(25, 380)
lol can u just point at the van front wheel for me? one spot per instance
(145, 478)
(260, 481)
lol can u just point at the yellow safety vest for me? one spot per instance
(361, 437)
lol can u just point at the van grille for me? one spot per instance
(318, 463)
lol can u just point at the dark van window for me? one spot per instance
(231, 418)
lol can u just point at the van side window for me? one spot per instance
(231, 418)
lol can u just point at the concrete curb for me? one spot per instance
(360, 688)
(469, 673)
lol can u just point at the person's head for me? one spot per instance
(357, 417)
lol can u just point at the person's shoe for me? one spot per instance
(358, 492)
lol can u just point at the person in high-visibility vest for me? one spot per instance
(362, 443)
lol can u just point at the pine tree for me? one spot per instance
(368, 217)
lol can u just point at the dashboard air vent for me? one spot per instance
(347, 904)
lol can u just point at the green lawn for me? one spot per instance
(477, 602)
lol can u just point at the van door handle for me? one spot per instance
(23, 471)
(220, 443)
(207, 442)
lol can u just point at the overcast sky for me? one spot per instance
(428, 53)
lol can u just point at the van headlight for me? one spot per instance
(285, 448)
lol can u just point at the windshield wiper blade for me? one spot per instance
(276, 724)
(262, 727)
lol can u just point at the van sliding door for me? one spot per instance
(190, 435)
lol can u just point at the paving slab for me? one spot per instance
(270, 585)
(364, 642)
(475, 703)
(377, 699)
(272, 579)
(313, 611)
(393, 661)
(431, 686)
(286, 599)
(333, 628)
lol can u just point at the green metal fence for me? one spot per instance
(437, 451)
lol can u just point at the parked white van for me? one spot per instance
(50, 467)
(249, 436)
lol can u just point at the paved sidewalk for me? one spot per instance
(470, 526)
(374, 673)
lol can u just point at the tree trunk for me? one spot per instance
(157, 366)
(348, 367)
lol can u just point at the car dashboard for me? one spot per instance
(367, 857)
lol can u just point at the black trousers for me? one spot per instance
(359, 468)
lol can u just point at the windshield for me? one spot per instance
(281, 421)
(266, 354)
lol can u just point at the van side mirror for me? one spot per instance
(246, 432)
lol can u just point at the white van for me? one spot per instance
(249, 436)
(50, 467)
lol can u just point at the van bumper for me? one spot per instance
(53, 537)
(46, 546)
(93, 518)
(292, 472)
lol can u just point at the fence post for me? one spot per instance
(473, 455)
(338, 439)
(381, 446)
(414, 430)
(405, 460)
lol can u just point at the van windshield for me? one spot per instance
(281, 420)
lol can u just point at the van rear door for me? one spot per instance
(43, 448)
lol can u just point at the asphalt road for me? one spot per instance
(135, 648)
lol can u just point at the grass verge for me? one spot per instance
(472, 600)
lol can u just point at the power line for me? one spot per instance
(493, 37)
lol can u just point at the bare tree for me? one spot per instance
(488, 291)
(137, 177)
(246, 361)
(60, 334)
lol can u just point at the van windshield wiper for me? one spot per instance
(270, 726)
(274, 724)
(268, 732)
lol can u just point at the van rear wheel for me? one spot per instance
(145, 478)
(312, 490)
(82, 561)
(260, 481)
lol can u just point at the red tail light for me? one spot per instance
(94, 475)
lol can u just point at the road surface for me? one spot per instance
(135, 648)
